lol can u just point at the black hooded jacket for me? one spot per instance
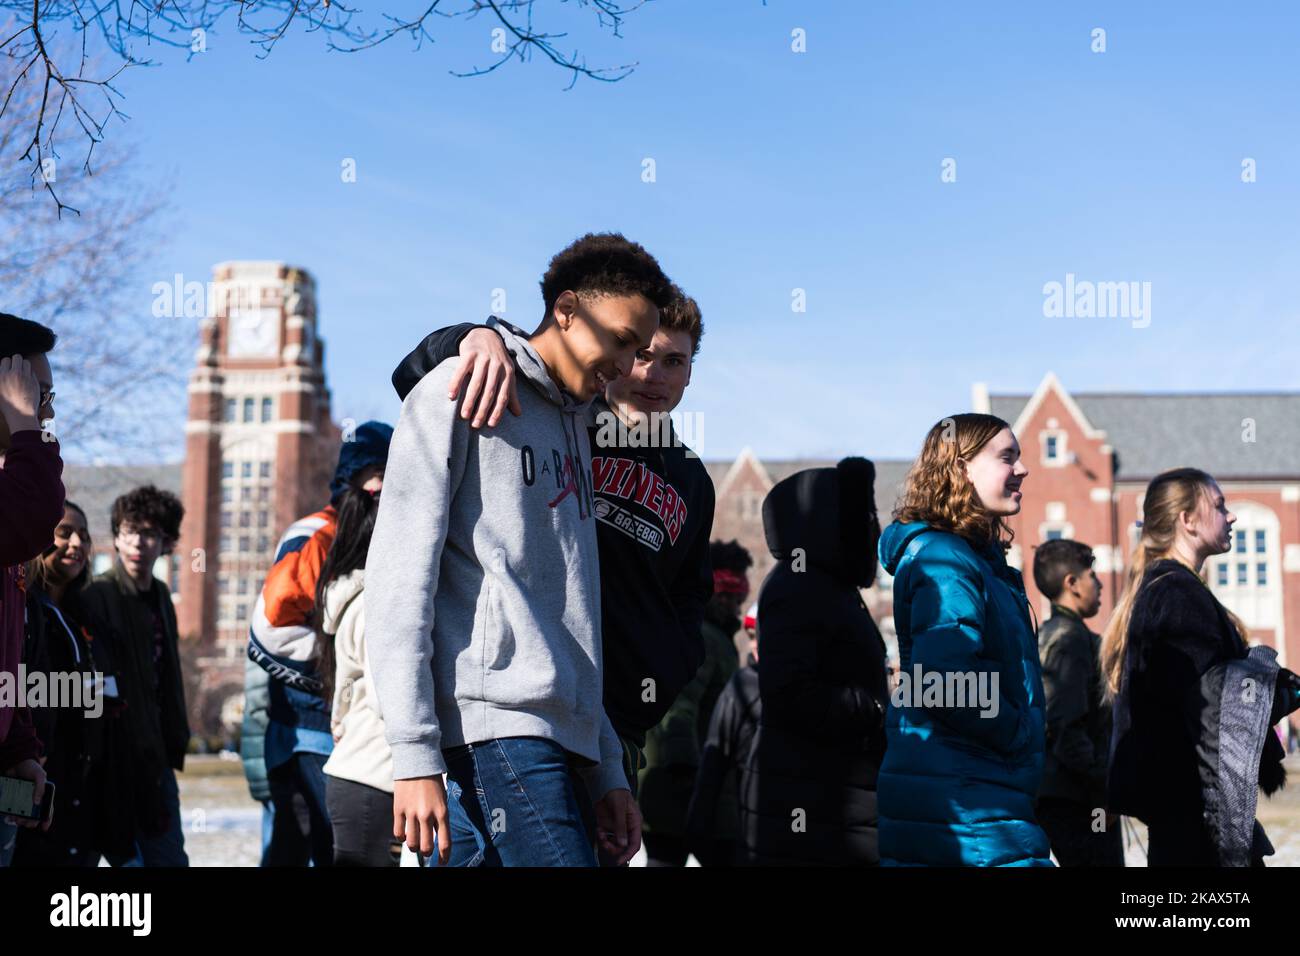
(654, 507)
(808, 789)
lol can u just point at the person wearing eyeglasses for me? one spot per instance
(133, 610)
(31, 504)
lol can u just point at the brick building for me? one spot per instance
(259, 452)
(1091, 456)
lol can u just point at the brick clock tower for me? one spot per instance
(259, 452)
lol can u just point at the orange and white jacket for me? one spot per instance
(281, 638)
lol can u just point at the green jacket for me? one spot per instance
(673, 748)
(157, 725)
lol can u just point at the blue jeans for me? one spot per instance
(166, 848)
(517, 801)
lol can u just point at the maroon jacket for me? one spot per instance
(31, 506)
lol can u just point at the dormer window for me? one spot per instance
(1053, 443)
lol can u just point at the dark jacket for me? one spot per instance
(808, 789)
(655, 511)
(88, 786)
(1192, 737)
(155, 722)
(714, 810)
(1078, 716)
(31, 505)
(674, 746)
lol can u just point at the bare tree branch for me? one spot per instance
(116, 364)
(126, 32)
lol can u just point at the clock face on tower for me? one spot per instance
(253, 333)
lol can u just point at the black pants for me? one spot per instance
(363, 823)
(1069, 828)
(303, 775)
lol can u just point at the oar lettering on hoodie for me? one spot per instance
(568, 478)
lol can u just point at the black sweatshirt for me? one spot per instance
(655, 511)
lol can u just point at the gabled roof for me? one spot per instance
(1051, 384)
(1152, 432)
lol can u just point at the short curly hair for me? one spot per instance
(149, 505)
(606, 263)
(730, 556)
(683, 315)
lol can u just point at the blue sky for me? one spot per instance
(777, 170)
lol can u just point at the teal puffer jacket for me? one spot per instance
(958, 783)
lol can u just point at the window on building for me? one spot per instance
(225, 518)
(227, 495)
(1052, 448)
(245, 519)
(1053, 534)
(1255, 594)
(245, 546)
(231, 405)
(266, 409)
(1221, 575)
(223, 585)
(246, 470)
(266, 469)
(227, 469)
(225, 544)
(248, 409)
(263, 543)
(263, 519)
(242, 587)
(263, 494)
(241, 612)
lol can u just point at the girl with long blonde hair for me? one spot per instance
(1193, 703)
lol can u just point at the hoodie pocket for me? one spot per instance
(528, 663)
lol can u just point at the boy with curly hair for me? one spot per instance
(482, 592)
(133, 611)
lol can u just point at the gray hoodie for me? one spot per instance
(482, 595)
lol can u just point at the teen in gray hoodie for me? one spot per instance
(482, 597)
